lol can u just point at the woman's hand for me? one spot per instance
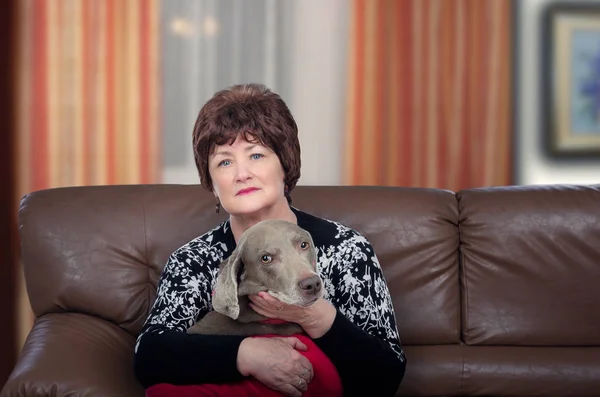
(276, 363)
(316, 319)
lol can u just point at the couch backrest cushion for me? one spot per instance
(415, 237)
(530, 265)
(100, 250)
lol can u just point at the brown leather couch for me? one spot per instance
(496, 291)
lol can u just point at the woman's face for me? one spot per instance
(247, 178)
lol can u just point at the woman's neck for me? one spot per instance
(239, 224)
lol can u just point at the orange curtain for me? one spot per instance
(88, 93)
(429, 93)
(88, 96)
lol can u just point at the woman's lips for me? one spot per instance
(246, 191)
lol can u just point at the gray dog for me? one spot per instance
(275, 256)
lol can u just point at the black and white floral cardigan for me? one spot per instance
(363, 342)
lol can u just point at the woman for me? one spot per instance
(248, 155)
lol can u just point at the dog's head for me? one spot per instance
(275, 256)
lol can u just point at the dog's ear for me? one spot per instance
(225, 298)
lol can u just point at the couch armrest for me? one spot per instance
(75, 355)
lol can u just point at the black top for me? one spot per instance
(363, 342)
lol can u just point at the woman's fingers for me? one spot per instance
(307, 375)
(299, 387)
(296, 344)
(264, 298)
(258, 302)
(277, 363)
(291, 391)
(269, 300)
(302, 385)
(255, 298)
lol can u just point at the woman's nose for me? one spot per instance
(242, 171)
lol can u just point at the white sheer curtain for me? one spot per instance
(297, 48)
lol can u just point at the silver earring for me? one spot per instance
(218, 207)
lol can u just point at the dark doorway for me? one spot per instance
(8, 207)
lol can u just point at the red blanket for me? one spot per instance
(326, 381)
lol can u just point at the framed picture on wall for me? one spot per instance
(570, 65)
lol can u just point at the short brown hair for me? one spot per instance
(258, 114)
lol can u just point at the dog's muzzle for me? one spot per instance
(310, 286)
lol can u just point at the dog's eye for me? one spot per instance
(304, 245)
(266, 259)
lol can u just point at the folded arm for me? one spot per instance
(164, 352)
(363, 340)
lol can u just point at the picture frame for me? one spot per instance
(570, 70)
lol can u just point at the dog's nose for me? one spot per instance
(310, 285)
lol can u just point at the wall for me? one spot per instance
(305, 64)
(532, 166)
(316, 95)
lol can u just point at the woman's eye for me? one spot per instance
(256, 156)
(224, 163)
(266, 259)
(304, 245)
